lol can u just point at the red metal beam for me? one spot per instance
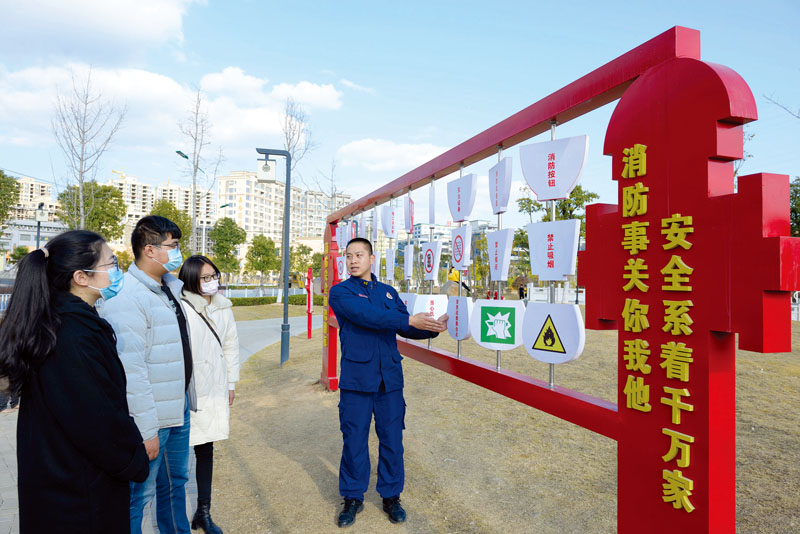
(585, 94)
(583, 410)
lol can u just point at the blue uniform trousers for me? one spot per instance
(356, 409)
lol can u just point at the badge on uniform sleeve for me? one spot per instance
(389, 296)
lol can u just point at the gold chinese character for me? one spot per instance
(635, 238)
(637, 394)
(674, 273)
(676, 317)
(675, 229)
(676, 403)
(677, 357)
(636, 353)
(678, 442)
(635, 316)
(635, 161)
(634, 200)
(677, 489)
(635, 277)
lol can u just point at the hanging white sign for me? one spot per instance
(408, 213)
(432, 205)
(362, 228)
(388, 221)
(430, 259)
(435, 305)
(341, 268)
(553, 168)
(461, 196)
(553, 248)
(409, 299)
(460, 310)
(408, 262)
(353, 231)
(390, 264)
(461, 247)
(553, 333)
(376, 265)
(340, 229)
(499, 245)
(374, 225)
(497, 324)
(500, 185)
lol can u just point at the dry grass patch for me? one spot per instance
(477, 462)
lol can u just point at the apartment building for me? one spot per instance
(33, 192)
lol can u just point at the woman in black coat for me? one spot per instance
(77, 447)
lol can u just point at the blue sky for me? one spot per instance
(387, 86)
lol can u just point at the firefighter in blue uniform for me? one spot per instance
(370, 316)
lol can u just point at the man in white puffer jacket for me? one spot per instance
(153, 345)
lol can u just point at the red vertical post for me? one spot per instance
(309, 298)
(329, 376)
(668, 265)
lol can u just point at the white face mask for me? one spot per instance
(209, 288)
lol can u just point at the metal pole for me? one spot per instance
(460, 224)
(551, 297)
(286, 224)
(499, 227)
(38, 232)
(430, 290)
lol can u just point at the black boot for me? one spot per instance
(202, 519)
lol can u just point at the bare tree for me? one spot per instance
(326, 184)
(84, 124)
(795, 114)
(296, 131)
(195, 127)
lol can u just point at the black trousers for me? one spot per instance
(204, 470)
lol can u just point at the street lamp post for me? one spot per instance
(193, 214)
(284, 248)
(41, 216)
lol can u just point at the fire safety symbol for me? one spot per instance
(548, 338)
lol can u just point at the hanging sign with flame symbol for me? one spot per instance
(553, 333)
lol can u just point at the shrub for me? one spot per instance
(253, 301)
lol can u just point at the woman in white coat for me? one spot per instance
(215, 354)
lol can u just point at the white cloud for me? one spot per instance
(322, 96)
(355, 86)
(381, 155)
(243, 110)
(91, 29)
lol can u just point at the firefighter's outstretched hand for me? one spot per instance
(425, 321)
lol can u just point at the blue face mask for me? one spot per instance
(116, 279)
(175, 259)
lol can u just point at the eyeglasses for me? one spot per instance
(172, 246)
(113, 262)
(209, 277)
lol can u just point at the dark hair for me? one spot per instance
(360, 240)
(190, 272)
(28, 332)
(152, 230)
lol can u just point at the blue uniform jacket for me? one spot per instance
(370, 316)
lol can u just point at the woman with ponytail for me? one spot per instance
(77, 447)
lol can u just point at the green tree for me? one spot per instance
(9, 195)
(521, 249)
(168, 210)
(480, 263)
(569, 208)
(300, 258)
(794, 205)
(125, 259)
(262, 256)
(104, 209)
(527, 204)
(226, 235)
(18, 253)
(316, 263)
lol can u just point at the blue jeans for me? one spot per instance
(173, 461)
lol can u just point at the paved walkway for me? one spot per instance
(253, 336)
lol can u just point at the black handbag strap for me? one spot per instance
(204, 320)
